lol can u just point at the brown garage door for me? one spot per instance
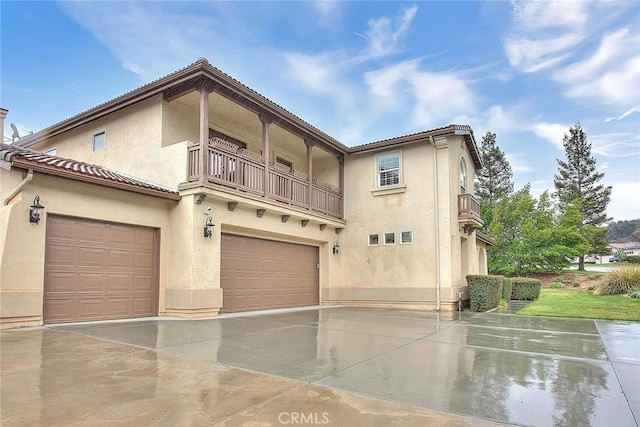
(258, 274)
(98, 270)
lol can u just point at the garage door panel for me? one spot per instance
(91, 308)
(118, 283)
(63, 228)
(92, 232)
(89, 282)
(121, 235)
(142, 283)
(143, 260)
(259, 274)
(104, 272)
(91, 257)
(141, 306)
(61, 281)
(60, 254)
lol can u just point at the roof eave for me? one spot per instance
(64, 173)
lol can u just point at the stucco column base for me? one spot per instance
(20, 322)
(193, 303)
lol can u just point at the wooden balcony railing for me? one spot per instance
(469, 208)
(243, 171)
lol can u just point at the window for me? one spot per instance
(463, 177)
(284, 162)
(51, 152)
(374, 240)
(389, 169)
(389, 238)
(406, 237)
(98, 141)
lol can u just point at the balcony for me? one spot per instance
(237, 169)
(469, 213)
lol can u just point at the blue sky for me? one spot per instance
(360, 71)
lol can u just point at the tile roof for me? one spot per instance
(53, 165)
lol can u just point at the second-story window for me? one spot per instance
(98, 141)
(388, 169)
(463, 176)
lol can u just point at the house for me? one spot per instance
(629, 248)
(194, 195)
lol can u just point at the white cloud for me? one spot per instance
(133, 68)
(610, 74)
(536, 55)
(519, 163)
(623, 206)
(552, 132)
(327, 12)
(619, 144)
(535, 15)
(630, 111)
(382, 39)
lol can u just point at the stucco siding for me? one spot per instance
(23, 253)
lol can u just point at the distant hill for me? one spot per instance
(624, 231)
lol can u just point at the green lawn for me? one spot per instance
(582, 304)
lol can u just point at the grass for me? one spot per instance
(584, 305)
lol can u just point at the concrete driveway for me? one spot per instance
(325, 366)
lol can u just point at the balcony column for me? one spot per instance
(341, 180)
(204, 90)
(309, 143)
(266, 121)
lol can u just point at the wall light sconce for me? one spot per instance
(336, 247)
(35, 213)
(208, 228)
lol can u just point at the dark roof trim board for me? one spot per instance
(399, 141)
(490, 241)
(23, 158)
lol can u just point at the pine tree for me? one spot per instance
(577, 181)
(494, 181)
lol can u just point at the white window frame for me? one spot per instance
(369, 239)
(379, 172)
(463, 176)
(402, 242)
(104, 141)
(384, 238)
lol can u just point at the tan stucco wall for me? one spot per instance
(134, 144)
(406, 274)
(387, 273)
(23, 244)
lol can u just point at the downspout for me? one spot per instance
(437, 219)
(19, 188)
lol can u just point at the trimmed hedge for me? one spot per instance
(525, 288)
(484, 291)
(507, 286)
(633, 259)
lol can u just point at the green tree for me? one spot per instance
(531, 237)
(577, 181)
(494, 181)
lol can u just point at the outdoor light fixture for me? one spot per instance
(336, 247)
(36, 211)
(208, 228)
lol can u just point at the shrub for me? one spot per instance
(621, 280)
(555, 285)
(633, 259)
(525, 288)
(506, 288)
(484, 291)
